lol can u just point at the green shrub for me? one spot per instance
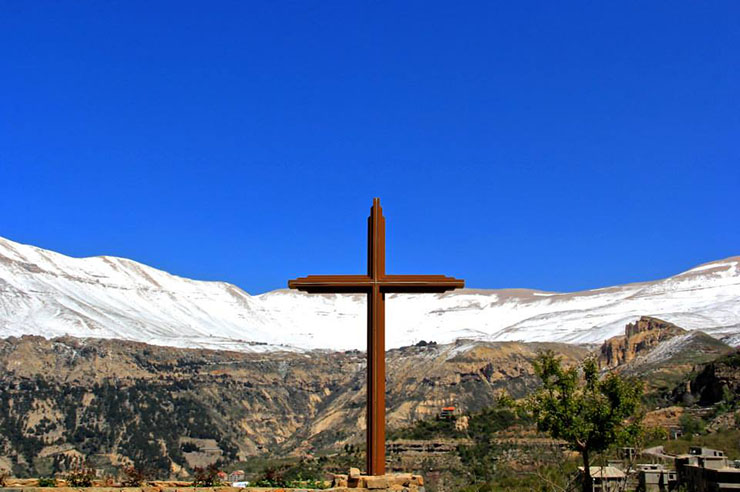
(47, 482)
(426, 429)
(81, 477)
(206, 477)
(692, 425)
(189, 447)
(306, 474)
(134, 477)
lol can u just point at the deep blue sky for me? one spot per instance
(551, 145)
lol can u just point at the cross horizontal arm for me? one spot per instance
(327, 284)
(419, 283)
(349, 284)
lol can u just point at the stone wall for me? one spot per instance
(375, 483)
(354, 481)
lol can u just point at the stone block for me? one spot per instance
(166, 484)
(354, 483)
(121, 489)
(403, 479)
(21, 482)
(66, 489)
(376, 482)
(339, 480)
(354, 473)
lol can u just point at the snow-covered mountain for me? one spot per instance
(46, 293)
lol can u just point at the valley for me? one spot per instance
(117, 403)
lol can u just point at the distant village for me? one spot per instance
(700, 470)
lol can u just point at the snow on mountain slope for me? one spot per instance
(49, 294)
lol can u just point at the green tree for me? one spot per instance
(691, 425)
(590, 412)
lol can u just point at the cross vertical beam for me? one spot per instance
(376, 242)
(376, 343)
(376, 383)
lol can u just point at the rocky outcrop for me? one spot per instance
(717, 381)
(639, 337)
(660, 353)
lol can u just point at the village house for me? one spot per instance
(706, 470)
(605, 478)
(236, 476)
(654, 477)
(447, 413)
(699, 458)
(675, 432)
(627, 454)
(701, 451)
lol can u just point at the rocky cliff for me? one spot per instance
(639, 338)
(717, 381)
(661, 352)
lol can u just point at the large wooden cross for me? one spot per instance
(375, 284)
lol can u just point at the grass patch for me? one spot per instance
(726, 440)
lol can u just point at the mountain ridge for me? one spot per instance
(46, 293)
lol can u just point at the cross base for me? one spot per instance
(390, 481)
